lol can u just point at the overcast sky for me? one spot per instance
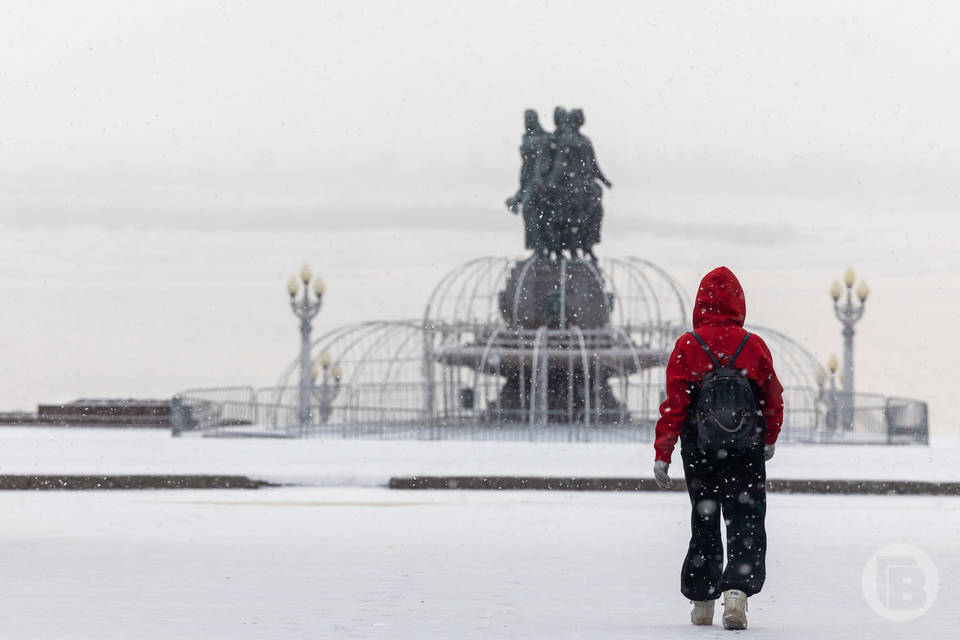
(165, 166)
(189, 113)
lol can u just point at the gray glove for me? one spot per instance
(660, 474)
(768, 451)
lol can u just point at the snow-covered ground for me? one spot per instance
(374, 563)
(345, 557)
(371, 463)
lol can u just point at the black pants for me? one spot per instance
(733, 487)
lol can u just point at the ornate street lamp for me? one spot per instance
(305, 309)
(326, 393)
(848, 313)
(831, 395)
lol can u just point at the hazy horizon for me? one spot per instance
(165, 166)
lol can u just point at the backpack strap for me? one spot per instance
(739, 349)
(713, 358)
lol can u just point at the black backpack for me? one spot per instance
(725, 408)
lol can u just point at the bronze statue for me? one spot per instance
(532, 148)
(559, 194)
(561, 120)
(585, 161)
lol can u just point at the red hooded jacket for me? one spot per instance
(718, 316)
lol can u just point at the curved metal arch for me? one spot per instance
(282, 380)
(412, 332)
(364, 332)
(469, 276)
(803, 361)
(387, 346)
(475, 279)
(801, 356)
(682, 298)
(632, 274)
(375, 344)
(461, 300)
(363, 329)
(492, 281)
(445, 283)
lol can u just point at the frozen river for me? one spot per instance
(375, 563)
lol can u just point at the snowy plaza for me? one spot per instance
(322, 320)
(336, 554)
(375, 563)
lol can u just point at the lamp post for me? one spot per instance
(831, 395)
(849, 313)
(305, 309)
(326, 393)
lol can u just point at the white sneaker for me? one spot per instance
(734, 610)
(702, 613)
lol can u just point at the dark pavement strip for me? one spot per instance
(500, 483)
(304, 503)
(87, 482)
(83, 482)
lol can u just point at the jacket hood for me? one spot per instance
(719, 300)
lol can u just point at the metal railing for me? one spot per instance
(398, 412)
(206, 409)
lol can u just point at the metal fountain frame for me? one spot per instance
(400, 379)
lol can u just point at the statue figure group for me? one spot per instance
(559, 193)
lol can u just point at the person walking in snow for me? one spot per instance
(725, 405)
